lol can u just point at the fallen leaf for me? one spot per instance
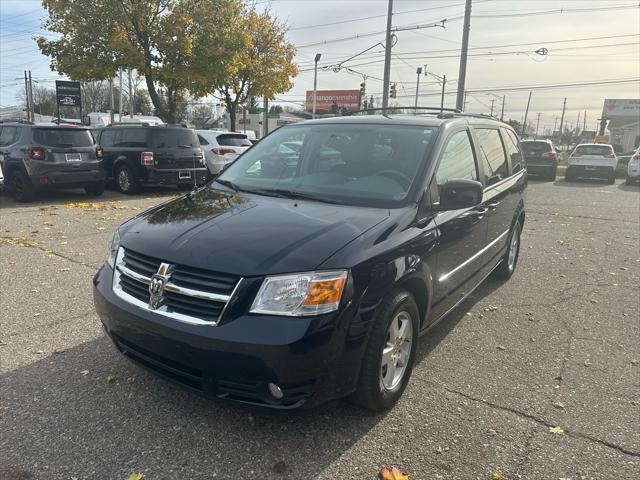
(500, 347)
(387, 473)
(556, 430)
(136, 476)
(497, 476)
(85, 372)
(109, 378)
(59, 350)
(560, 242)
(66, 269)
(558, 404)
(279, 467)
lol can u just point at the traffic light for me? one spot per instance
(393, 92)
(363, 87)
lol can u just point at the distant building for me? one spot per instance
(626, 137)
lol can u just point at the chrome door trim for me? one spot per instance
(473, 257)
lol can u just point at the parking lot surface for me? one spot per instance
(536, 378)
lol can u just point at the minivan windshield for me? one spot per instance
(63, 137)
(369, 165)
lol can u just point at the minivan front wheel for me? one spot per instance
(390, 354)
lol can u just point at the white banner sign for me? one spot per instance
(621, 108)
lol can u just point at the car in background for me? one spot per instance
(221, 148)
(284, 287)
(540, 158)
(592, 160)
(139, 153)
(633, 168)
(43, 157)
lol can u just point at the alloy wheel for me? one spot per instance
(513, 247)
(396, 351)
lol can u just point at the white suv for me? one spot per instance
(592, 160)
(633, 169)
(221, 148)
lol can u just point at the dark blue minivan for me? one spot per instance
(310, 267)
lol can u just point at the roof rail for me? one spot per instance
(129, 124)
(183, 125)
(383, 110)
(463, 114)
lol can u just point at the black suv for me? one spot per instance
(38, 157)
(164, 155)
(290, 281)
(540, 158)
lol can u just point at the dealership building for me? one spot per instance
(624, 123)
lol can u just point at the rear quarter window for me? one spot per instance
(132, 137)
(492, 155)
(63, 137)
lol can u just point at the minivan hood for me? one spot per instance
(247, 234)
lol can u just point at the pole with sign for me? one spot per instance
(68, 95)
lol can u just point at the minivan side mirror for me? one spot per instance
(460, 193)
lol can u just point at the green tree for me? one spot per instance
(142, 102)
(262, 65)
(154, 37)
(275, 109)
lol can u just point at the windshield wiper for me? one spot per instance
(228, 184)
(301, 196)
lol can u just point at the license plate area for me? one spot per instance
(73, 157)
(590, 168)
(184, 174)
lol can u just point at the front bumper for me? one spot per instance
(633, 170)
(312, 359)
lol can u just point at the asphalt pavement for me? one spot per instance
(535, 378)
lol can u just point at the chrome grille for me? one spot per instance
(189, 294)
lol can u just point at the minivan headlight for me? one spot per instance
(310, 293)
(115, 244)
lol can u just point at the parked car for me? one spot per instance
(592, 160)
(138, 153)
(286, 287)
(40, 157)
(541, 158)
(221, 148)
(633, 168)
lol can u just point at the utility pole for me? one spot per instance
(315, 84)
(418, 72)
(463, 55)
(537, 125)
(120, 102)
(555, 123)
(244, 117)
(444, 82)
(265, 117)
(526, 114)
(112, 115)
(493, 100)
(564, 106)
(502, 113)
(27, 98)
(584, 121)
(464, 104)
(578, 124)
(130, 96)
(387, 58)
(33, 110)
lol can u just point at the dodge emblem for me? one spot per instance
(156, 289)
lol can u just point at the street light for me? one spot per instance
(418, 73)
(315, 84)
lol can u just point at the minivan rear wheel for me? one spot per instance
(125, 181)
(390, 354)
(20, 186)
(510, 259)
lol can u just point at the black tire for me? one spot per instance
(551, 176)
(370, 392)
(125, 180)
(630, 181)
(612, 178)
(569, 177)
(95, 189)
(20, 186)
(505, 270)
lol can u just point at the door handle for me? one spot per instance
(493, 205)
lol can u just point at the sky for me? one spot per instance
(587, 41)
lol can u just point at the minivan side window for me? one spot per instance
(515, 155)
(8, 136)
(492, 155)
(457, 160)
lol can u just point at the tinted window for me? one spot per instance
(9, 135)
(511, 144)
(108, 138)
(536, 147)
(174, 138)
(63, 137)
(231, 140)
(202, 140)
(492, 155)
(596, 150)
(132, 137)
(457, 160)
(371, 165)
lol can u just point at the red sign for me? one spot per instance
(326, 99)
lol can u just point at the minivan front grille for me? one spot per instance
(187, 294)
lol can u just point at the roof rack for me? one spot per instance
(430, 110)
(129, 124)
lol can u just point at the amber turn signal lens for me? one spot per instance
(324, 292)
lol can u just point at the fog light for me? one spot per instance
(275, 391)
